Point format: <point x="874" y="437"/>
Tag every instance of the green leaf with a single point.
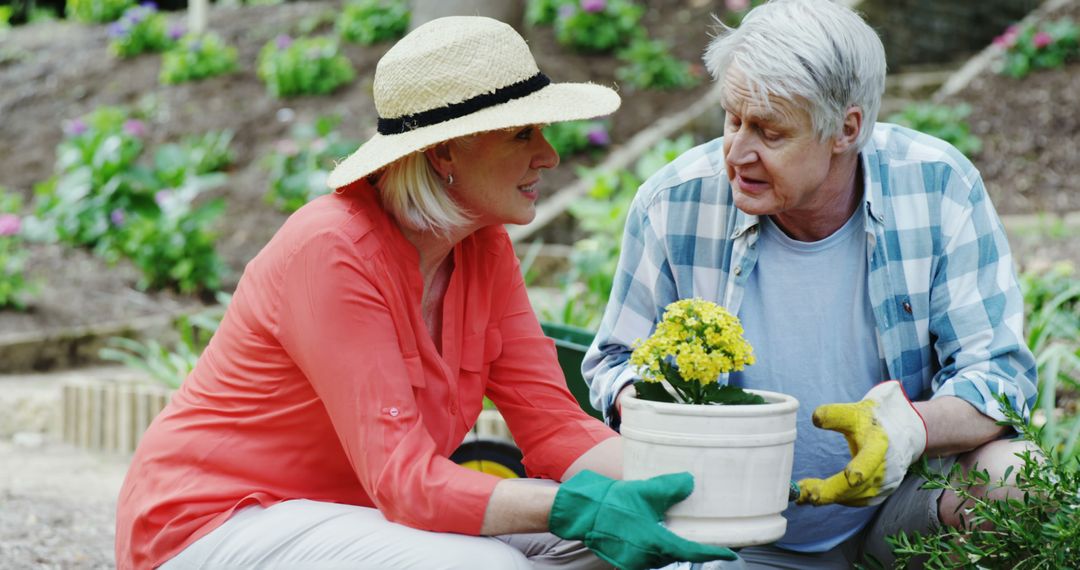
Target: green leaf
<point x="652" y="391"/>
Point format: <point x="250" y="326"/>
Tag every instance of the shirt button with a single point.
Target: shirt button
<point x="393" y="412"/>
<point x="738" y="271"/>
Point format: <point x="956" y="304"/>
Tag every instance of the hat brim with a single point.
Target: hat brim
<point x="555" y="103"/>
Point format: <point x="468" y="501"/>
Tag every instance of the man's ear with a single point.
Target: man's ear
<point x="440" y="158"/>
<point x="849" y="131"/>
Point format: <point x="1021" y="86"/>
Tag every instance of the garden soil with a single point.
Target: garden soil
<point x="56" y="506"/>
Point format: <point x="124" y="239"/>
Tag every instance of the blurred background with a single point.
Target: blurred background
<point x="148" y="151"/>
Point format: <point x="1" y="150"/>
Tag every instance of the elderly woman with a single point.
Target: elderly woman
<point x="316" y="428"/>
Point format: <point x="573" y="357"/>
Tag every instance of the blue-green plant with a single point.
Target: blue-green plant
<point x="648" y="64"/>
<point x="170" y="366"/>
<point x="303" y="66"/>
<point x="599" y="26"/>
<point x="141" y="29"/>
<point x="197" y="56"/>
<point x="602" y="214"/>
<point x="194" y="155"/>
<point x="371" y="21"/>
<point x="14" y="287"/>
<point x="300" y="164"/>
<point x="572" y="137"/>
<point x="96" y="11"/>
<point x="946" y="122"/>
<point x="1045" y="45"/>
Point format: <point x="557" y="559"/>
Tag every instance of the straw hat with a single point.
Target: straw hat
<point x="458" y="76"/>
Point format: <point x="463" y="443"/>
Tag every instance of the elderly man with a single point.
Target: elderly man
<point x="866" y="263"/>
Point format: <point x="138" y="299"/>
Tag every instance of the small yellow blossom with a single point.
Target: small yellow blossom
<point x="700" y="338"/>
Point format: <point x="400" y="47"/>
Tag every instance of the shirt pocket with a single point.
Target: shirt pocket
<point x="478" y="351"/>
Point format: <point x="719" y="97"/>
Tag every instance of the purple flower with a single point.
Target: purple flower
<point x="75" y="127"/>
<point x="117" y="217"/>
<point x="195" y="46"/>
<point x="593" y="6"/>
<point x="1041" y="40"/>
<point x="118" y="30"/>
<point x="134" y="127"/>
<point x="283" y="41"/>
<point x="135" y="16"/>
<point x="176" y="31"/>
<point x="151" y="6"/>
<point x="598" y="136"/>
<point x="10" y="224"/>
<point x="567" y="10"/>
<point x="163" y="196"/>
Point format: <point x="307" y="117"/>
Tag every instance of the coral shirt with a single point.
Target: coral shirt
<point x="323" y="383"/>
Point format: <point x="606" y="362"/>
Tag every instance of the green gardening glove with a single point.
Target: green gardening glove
<point x="620" y="520"/>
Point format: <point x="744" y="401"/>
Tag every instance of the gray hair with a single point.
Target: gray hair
<point x="416" y="195"/>
<point x="814" y="50"/>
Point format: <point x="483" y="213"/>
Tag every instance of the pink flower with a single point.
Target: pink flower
<point x="134" y="127"/>
<point x="10" y="224"/>
<point x="593" y="6"/>
<point x="1041" y="40"/>
<point x="117" y="217"/>
<point x="287" y="147"/>
<point x="163" y="196"/>
<point x="736" y="5"/>
<point x="75" y="127"/>
<point x="283" y="41"/>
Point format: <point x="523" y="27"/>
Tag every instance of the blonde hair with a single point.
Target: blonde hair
<point x="414" y="193"/>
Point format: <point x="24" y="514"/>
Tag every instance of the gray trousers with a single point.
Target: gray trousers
<point x="909" y="509"/>
<point x="304" y="534"/>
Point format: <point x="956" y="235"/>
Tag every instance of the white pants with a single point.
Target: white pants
<point x="304" y="534"/>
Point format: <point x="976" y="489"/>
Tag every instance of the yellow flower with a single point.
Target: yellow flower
<point x="699" y="338"/>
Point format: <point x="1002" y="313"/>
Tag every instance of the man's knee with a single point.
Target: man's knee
<point x="995" y="458"/>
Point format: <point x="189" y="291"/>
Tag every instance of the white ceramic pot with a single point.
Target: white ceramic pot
<point x="740" y="457"/>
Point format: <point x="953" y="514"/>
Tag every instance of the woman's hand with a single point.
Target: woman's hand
<point x="620" y="520"/>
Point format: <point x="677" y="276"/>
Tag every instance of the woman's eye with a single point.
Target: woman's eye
<point x="525" y="134"/>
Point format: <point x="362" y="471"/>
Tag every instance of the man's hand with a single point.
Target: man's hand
<point x="620" y="520"/>
<point x="885" y="435"/>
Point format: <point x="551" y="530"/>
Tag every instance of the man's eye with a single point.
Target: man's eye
<point x="525" y="134"/>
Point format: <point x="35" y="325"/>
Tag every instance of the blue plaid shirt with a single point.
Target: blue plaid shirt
<point x="945" y="298"/>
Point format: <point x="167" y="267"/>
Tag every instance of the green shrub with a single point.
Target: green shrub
<point x="14" y="287"/>
<point x="197" y="57"/>
<point x="1038" y="46"/>
<point x="372" y="21"/>
<point x="305" y="66"/>
<point x="96" y="11"/>
<point x="299" y="165"/>
<point x="648" y="64"/>
<point x="948" y="123"/>
<point x="1037" y="528"/>
<point x="598" y="25"/>
<point x="544" y="12"/>
<point x="572" y="137"/>
<point x="141" y="29"/>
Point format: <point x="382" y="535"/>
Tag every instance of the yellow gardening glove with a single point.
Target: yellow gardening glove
<point x="885" y="435"/>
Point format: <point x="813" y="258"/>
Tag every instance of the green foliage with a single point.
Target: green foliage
<point x="599" y="26"/>
<point x="14" y="287"/>
<point x="169" y="367"/>
<point x="572" y="137"/>
<point x="103" y="197"/>
<point x="544" y="12"/>
<point x="141" y="29"/>
<point x="587" y="285"/>
<point x="96" y="11"/>
<point x="948" y="123"/>
<point x="197" y="57"/>
<point x="371" y="21"/>
<point x="713" y="393"/>
<point x="1036" y="528"/>
<point x="305" y="66"/>
<point x="648" y="64"/>
<point x="300" y="165"/>
<point x="1034" y="46"/>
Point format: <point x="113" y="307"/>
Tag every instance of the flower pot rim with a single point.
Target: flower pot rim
<point x="778" y="403"/>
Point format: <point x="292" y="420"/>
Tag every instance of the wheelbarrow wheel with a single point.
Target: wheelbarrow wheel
<point x="490" y="456"/>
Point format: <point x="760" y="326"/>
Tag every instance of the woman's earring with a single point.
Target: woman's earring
<point x="449" y="179"/>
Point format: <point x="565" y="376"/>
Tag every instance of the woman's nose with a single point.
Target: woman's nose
<point x="545" y="157"/>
